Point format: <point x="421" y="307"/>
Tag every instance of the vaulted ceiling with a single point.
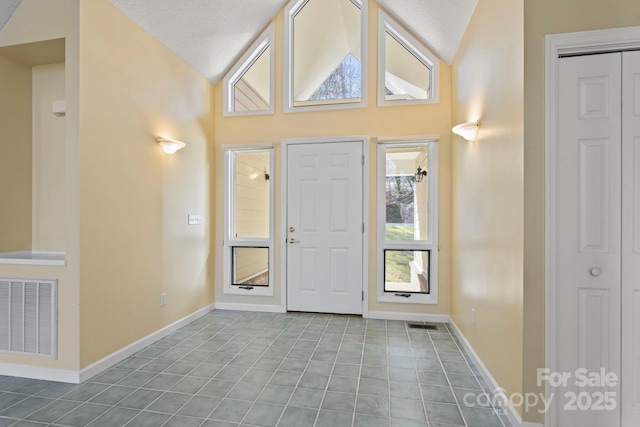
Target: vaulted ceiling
<point x="211" y="34"/>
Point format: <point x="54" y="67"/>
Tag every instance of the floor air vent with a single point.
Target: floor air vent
<point x="430" y="326"/>
<point x="28" y="317"/>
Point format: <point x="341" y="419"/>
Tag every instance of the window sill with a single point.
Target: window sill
<point x="33" y="258"/>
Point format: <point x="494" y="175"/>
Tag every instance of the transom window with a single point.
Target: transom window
<point x="325" y="52"/>
<point x="408" y="231"/>
<point x="407" y="71"/>
<point x="248" y="254"/>
<point x="248" y="87"/>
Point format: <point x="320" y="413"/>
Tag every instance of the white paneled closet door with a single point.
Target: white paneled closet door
<point x="630" y="399"/>
<point x="598" y="239"/>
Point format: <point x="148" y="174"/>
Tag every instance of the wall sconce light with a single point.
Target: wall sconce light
<point x="468" y="131"/>
<point x="170" y="146"/>
<point x="420" y="174"/>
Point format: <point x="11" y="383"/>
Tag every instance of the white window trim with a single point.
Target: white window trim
<point x="263" y="42"/>
<point x="386" y="24"/>
<point x="230" y="241"/>
<point x="290" y="12"/>
<point x="431" y="244"/>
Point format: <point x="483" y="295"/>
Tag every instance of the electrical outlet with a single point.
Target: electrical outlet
<point x="163" y="299"/>
<point x="473" y="316"/>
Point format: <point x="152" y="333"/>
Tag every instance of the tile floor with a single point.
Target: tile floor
<point x="234" y="368"/>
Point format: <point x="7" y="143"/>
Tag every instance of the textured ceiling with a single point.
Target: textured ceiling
<point x="7" y="7"/>
<point x="440" y="24"/>
<point x="208" y="34"/>
<point x="211" y="34"/>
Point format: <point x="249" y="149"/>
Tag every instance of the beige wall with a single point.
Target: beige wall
<point x="487" y="187"/>
<point x="48" y="159"/>
<point x="135" y="241"/>
<point x="544" y="17"/>
<point x="33" y="21"/>
<point x="15" y="161"/>
<point x="372" y="121"/>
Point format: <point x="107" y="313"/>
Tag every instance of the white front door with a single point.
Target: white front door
<point x="325" y="227"/>
<point x="588" y="234"/>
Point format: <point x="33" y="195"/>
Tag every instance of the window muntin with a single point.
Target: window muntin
<point x="325" y="52"/>
<point x="248" y="254"/>
<point x="407" y="71"/>
<point x="407" y="231"/>
<point x="248" y="87"/>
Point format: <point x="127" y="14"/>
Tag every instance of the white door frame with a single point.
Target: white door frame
<point x="365" y="216"/>
<point x="556" y="45"/>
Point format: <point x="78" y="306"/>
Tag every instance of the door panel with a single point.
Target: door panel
<point x="630" y="401"/>
<point x="325" y="216"/>
<point x="588" y="230"/>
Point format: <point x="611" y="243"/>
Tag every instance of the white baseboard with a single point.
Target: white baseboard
<point x="410" y="317"/>
<point x="76" y="377"/>
<point x="39" y="373"/>
<point x="250" y="307"/>
<point x="118" y="356"/>
<point x="512" y="414"/>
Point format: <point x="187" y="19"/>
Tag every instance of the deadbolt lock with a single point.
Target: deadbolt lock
<point x="291" y="229"/>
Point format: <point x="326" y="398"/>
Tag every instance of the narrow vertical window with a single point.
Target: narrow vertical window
<point x="408" y="232"/>
<point x="249" y="222"/>
<point x="325" y="54"/>
<point x="248" y="87"/>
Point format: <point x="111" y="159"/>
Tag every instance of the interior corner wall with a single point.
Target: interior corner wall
<point x="374" y="121"/>
<point x="33" y="21"/>
<point x="135" y="199"/>
<point x="543" y="17"/>
<point x="487" y="189"/>
<point x="15" y="161"/>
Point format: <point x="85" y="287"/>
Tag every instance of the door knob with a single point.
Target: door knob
<point x="595" y="272"/>
<point x="292" y="241"/>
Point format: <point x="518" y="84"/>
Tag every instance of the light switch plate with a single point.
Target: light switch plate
<point x="195" y="219"/>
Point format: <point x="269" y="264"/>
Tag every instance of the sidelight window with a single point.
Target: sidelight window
<point x="408" y="227"/>
<point x="248" y="221"/>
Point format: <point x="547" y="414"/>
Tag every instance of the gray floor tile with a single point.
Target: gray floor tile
<point x="456" y="367"/>
<point x="231" y="410"/>
<point x="169" y="403"/>
<point x="480" y="417"/>
<point x="148" y="419"/>
<point x="373" y="387"/>
<point x="275" y="394"/>
<point x="372" y="405"/>
<point x="189" y="385"/>
<point x="361" y="420"/>
<point x="342" y="402"/>
<point x="306" y="398"/>
<point x="343" y="384"/>
<point x="298" y="417"/>
<point x="444" y="413"/>
<point x="263" y="414"/>
<point x="199" y="406"/>
<point x="163" y="382"/>
<point x="399" y="422"/>
<point x="464" y="381"/>
<point x="408" y="409"/>
<point x="333" y="419"/>
<point x="113" y="395"/>
<point x="403" y="390"/>
<point x="140" y="399"/>
<point x="25" y="407"/>
<point x="441" y="394"/>
<point x="217" y="388"/>
<point x="246" y="391"/>
<point x="344" y="370"/>
<point x="285" y="378"/>
<point x="82" y="415"/>
<point x="180" y="421"/>
<point x="86" y="392"/>
<point x="114" y="417"/>
<point x="314" y="381"/>
<point x="54" y="411"/>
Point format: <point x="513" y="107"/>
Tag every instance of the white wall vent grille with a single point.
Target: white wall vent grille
<point x="28" y="318"/>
